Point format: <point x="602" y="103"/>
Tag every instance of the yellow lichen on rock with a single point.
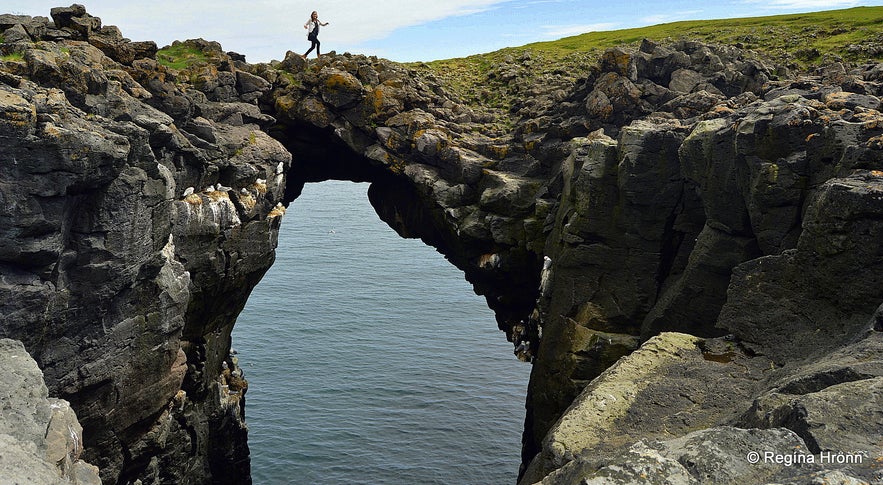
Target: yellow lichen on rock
<point x="875" y="142"/>
<point x="217" y="195"/>
<point x="722" y="110"/>
<point x="499" y="152"/>
<point x="285" y="104"/>
<point x="335" y="80"/>
<point x="340" y="88"/>
<point x="871" y="120"/>
<point x="17" y="110"/>
<point x="248" y="202"/>
<point x="383" y="99"/>
<point x="277" y="211"/>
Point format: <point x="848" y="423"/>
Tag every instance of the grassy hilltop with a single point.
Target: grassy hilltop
<point x="500" y="82"/>
<point x="799" y="42"/>
<point x="803" y="39"/>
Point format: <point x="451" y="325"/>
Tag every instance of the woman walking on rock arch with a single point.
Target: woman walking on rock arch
<point x="312" y="27"/>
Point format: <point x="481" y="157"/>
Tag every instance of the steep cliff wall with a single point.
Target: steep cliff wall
<point x="123" y="288"/>
<point x="40" y="437"/>
<point x="674" y="188"/>
<point x="677" y="188"/>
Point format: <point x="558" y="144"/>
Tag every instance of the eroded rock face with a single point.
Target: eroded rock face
<point x="40" y="436"/>
<point x="715" y="455"/>
<point x="676" y="189"/>
<point x="670" y="411"/>
<point x="677" y="206"/>
<point x="122" y="283"/>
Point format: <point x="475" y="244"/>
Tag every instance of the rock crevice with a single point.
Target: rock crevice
<point x="685" y="245"/>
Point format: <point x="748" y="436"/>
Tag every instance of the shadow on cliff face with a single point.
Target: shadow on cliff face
<point x="647" y="187"/>
<point x="665" y="199"/>
<point x="319" y="154"/>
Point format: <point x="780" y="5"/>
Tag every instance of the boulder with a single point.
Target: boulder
<point x="16" y="34"/>
<point x="36" y="27"/>
<point x="76" y="20"/>
<point x="340" y="89"/>
<point x="247" y="83"/>
<point x="684" y="80"/>
<point x="40" y="436"/>
<point x="845" y="100"/>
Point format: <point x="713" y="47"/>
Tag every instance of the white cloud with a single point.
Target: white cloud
<point x="655" y="19"/>
<point x="804" y="4"/>
<point x="669" y="17"/>
<point x="355" y="22"/>
<point x="558" y="31"/>
<point x="534" y="3"/>
<point x="262" y="28"/>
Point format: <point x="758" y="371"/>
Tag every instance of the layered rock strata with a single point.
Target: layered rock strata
<point x="677" y="188"/>
<point x="684" y="205"/>
<point x="137" y="215"/>
<point x="40" y="438"/>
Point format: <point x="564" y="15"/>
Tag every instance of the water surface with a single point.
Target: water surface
<point x="371" y="360"/>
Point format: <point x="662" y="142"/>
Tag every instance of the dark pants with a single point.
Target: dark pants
<point x="315" y="45"/>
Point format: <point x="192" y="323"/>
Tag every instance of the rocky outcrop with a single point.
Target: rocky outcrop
<point x="716" y="455"/>
<point x="685" y="242"/>
<point x="433" y="176"/>
<point x="664" y="174"/>
<point x="750" y="192"/>
<point x="670" y="191"/>
<point x="686" y="410"/>
<point x="138" y="213"/>
<point x="40" y="437"/>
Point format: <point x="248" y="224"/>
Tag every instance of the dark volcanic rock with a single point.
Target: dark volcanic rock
<point x="639" y="417"/>
<point x="75" y="19"/>
<point x="715" y="455"/>
<point x="822" y="292"/>
<point x="675" y="188"/>
<point x="40" y="437"/>
<point x="16" y="34"/>
<point x="111" y="277"/>
<point x="36" y="27"/>
<point x="694" y="179"/>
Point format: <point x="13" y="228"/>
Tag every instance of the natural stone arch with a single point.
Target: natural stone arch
<point x="770" y="181"/>
<point x="413" y="197"/>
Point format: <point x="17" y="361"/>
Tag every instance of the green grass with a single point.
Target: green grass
<point x="180" y="56"/>
<point x="780" y="37"/>
<point x="800" y="42"/>
<point x="12" y="57"/>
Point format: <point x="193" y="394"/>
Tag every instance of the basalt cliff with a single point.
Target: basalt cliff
<point x="685" y="241"/>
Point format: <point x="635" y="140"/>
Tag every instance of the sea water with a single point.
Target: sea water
<point x="371" y="360"/>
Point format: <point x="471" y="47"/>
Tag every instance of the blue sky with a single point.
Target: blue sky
<point x="402" y="30"/>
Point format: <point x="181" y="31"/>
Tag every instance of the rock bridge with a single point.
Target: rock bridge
<point x="676" y="188"/>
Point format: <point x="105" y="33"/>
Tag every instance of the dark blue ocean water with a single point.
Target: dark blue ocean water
<point x="370" y="359"/>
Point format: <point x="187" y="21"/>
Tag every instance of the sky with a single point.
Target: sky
<point x="401" y="30"/>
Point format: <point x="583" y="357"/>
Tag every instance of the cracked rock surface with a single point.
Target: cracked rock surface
<point x="685" y="244"/>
